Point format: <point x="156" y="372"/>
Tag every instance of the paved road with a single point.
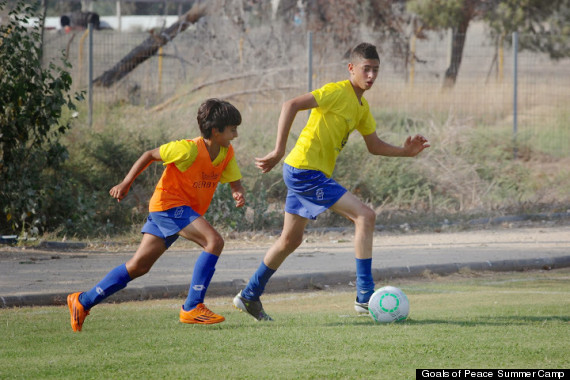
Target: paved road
<point x="45" y="276"/>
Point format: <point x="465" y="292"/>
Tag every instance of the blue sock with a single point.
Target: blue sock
<point x="203" y="272"/>
<point x="114" y="281"/>
<point x="257" y="282"/>
<point x="364" y="280"/>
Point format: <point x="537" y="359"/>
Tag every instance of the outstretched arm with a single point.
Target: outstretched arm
<point x="288" y="113"/>
<point x="238" y="193"/>
<point x="120" y="191"/>
<point x="412" y="146"/>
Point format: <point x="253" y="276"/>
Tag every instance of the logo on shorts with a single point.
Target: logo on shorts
<point x="178" y="212"/>
<point x="320" y="194"/>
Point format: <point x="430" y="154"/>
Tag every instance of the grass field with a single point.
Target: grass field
<point x="476" y="320"/>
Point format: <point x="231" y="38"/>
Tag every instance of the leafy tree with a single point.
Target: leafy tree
<point x="340" y="21"/>
<point x="454" y="14"/>
<point x="31" y="102"/>
<point x="337" y="19"/>
<point x="393" y="26"/>
<point x="544" y="25"/>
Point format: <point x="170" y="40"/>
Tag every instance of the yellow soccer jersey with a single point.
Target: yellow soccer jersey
<point x="339" y="113"/>
<point x="183" y="153"/>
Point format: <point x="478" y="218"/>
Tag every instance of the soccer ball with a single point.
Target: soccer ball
<point x="388" y="304"/>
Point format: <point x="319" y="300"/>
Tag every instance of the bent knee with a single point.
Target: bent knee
<point x="370" y="215"/>
<point x="215" y="244"/>
<point x="291" y="243"/>
<point x="367" y="217"/>
<point x="137" y="269"/>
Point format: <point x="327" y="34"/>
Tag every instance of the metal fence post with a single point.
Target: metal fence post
<point x="90" y="79"/>
<point x="515" y="91"/>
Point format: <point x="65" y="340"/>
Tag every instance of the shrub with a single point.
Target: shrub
<point x="31" y="103"/>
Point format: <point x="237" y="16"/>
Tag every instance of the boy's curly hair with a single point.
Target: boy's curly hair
<point x="364" y="51"/>
<point x="216" y="113"/>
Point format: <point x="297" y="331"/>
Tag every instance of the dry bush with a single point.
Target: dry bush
<point x="469" y="168"/>
<point x="451" y="173"/>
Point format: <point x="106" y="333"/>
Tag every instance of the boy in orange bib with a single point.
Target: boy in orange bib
<point x="182" y="196"/>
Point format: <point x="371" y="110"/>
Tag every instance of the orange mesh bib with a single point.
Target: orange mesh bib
<point x="195" y="187"/>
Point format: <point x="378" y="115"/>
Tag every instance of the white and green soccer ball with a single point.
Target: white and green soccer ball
<point x="388" y="304"/>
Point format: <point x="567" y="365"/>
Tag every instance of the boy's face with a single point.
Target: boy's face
<point x="224" y="138"/>
<point x="363" y="73"/>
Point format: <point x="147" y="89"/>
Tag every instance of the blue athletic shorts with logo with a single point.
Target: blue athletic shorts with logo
<point x="167" y="224"/>
<point x="310" y="192"/>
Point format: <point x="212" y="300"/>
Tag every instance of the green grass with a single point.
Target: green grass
<point x="553" y="135"/>
<point x="517" y="320"/>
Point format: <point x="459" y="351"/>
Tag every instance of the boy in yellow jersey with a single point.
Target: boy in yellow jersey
<point x="337" y="110"/>
<point x="193" y="169"/>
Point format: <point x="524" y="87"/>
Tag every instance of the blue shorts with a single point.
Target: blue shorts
<point x="310" y="192"/>
<point x="167" y="224"/>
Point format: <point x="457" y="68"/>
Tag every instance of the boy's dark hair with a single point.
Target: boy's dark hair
<point x="64" y="21"/>
<point x="216" y="113"/>
<point x="364" y="51"/>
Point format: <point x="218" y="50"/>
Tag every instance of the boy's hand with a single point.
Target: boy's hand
<point x="238" y="193"/>
<point x="269" y="161"/>
<point x="239" y="198"/>
<point x="120" y="191"/>
<point x="414" y="145"/>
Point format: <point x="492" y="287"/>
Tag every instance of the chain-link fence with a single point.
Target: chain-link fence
<point x="263" y="67"/>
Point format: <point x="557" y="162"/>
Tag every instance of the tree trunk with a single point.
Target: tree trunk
<point x="457" y="45"/>
<point x="149" y="47"/>
<point x="42" y="28"/>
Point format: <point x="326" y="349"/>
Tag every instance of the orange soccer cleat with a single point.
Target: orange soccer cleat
<point x="200" y="314"/>
<point x="76" y="310"/>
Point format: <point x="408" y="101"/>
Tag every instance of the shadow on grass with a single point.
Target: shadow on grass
<point x="479" y="321"/>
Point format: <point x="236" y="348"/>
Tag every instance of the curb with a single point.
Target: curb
<point x="297" y="282"/>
